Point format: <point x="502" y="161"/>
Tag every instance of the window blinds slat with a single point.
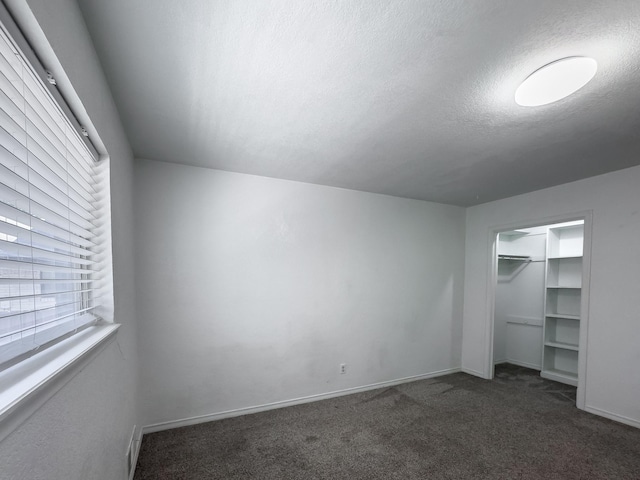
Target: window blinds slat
<point x="64" y="158"/>
<point x="46" y="186"/>
<point x="53" y="124"/>
<point x="14" y="62"/>
<point x="22" y="202"/>
<point x="47" y="281"/>
<point x="12" y="70"/>
<point x="26" y="267"/>
<point x="7" y="104"/>
<point x="24" y="345"/>
<point x="69" y="159"/>
<point x="30" y="321"/>
<point x="43" y="311"/>
<point x="59" y="297"/>
<point x="71" y="314"/>
<point x="60" y="214"/>
<point x="15" y="143"/>
<point x="21" y="324"/>
<point x="50" y="185"/>
<point x="38" y="99"/>
<point x="39" y="308"/>
<point x="43" y="119"/>
<point x="43" y="228"/>
<point x="56" y="298"/>
<point x="24" y="235"/>
<point x="10" y="157"/>
<point x="11" y="81"/>
<point x="10" y="250"/>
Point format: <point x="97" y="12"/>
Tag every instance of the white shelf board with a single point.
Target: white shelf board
<point x="560" y="287"/>
<point x="560" y="376"/>
<point x="562" y="257"/>
<point x="562" y="345"/>
<point x="565" y="316"/>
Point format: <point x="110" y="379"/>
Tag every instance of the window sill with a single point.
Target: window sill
<point x="29" y="384"/>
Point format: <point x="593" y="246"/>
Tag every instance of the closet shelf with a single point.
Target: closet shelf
<point x="565" y="346"/>
<point x="562" y="257"/>
<point x="565" y="316"/>
<point x="575" y="287"/>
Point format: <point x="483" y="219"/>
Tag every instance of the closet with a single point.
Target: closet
<point x="537" y="299"/>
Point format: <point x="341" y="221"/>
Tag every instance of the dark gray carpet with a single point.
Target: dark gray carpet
<point x="518" y="426"/>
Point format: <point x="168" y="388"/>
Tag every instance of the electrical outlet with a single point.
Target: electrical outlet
<point x="343" y="368"/>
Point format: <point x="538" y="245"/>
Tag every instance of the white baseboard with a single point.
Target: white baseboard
<point x="523" y="364"/>
<point x="157" y="427"/>
<point x="613" y="416"/>
<point x="473" y="372"/>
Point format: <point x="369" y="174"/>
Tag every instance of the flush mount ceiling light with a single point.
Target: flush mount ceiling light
<point x="556" y="80"/>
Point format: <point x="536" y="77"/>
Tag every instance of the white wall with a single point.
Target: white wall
<point x="612" y="382"/>
<point x="82" y="432"/>
<point x="253" y="290"/>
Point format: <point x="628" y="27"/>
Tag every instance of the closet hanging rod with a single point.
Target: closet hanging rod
<point x="520" y="258"/>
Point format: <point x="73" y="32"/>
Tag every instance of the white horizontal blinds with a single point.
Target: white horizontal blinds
<point x="48" y="216"/>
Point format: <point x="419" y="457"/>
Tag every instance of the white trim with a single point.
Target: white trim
<point x="518" y="363"/>
<point x="157" y="427"/>
<point x="585" y="298"/>
<point x="560" y="378"/>
<point x="490" y="305"/>
<point x="29" y="384"/>
<point x="473" y="372"/>
<point x="128" y="455"/>
<point x="613" y="416"/>
<point x="137" y="442"/>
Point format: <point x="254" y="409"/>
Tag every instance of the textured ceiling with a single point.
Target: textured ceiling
<point x="406" y="98"/>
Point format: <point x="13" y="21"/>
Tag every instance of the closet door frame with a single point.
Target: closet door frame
<point x="492" y="255"/>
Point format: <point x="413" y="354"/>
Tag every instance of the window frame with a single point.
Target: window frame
<point x="26" y="385"/>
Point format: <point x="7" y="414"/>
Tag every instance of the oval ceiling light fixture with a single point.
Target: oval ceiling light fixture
<point x="555" y="81"/>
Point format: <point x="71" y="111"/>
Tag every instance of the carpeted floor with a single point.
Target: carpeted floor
<point x="518" y="426"/>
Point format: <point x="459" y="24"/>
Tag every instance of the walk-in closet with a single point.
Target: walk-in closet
<point x="537" y="299"/>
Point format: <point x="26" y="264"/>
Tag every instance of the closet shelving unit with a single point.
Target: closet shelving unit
<point x="562" y="303"/>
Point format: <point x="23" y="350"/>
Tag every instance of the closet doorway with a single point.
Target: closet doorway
<point x="539" y="299"/>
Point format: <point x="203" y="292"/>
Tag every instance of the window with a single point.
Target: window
<point x="50" y="197"/>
